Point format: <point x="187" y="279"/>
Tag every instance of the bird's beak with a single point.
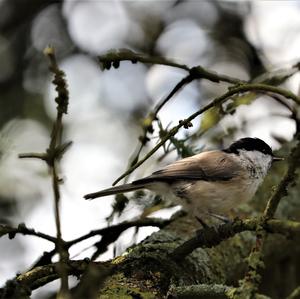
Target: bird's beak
<point x="276" y="159"/>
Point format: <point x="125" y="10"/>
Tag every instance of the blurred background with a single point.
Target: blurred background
<point x="243" y="39"/>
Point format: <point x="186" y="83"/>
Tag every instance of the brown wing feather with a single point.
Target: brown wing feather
<point x="218" y="166"/>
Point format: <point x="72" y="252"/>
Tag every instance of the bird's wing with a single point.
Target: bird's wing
<point x="207" y="166"/>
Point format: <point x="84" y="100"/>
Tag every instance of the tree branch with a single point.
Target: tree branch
<point x="201" y="291"/>
<point x="42" y="275"/>
<point x="212" y="236"/>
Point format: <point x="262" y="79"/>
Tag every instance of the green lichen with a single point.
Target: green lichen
<point x="118" y="286"/>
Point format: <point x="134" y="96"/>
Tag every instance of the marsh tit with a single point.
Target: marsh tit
<point x="212" y="181"/>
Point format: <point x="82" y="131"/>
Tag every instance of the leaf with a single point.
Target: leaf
<point x="245" y="99"/>
<point x="211" y="117"/>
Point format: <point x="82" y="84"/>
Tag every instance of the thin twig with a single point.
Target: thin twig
<point x="53" y="154"/>
<point x="152" y="116"/>
<point x="41" y="156"/>
<point x="22" y="229"/>
<point x="186" y="80"/>
<point x="63" y="254"/>
<point x="56" y="142"/>
<point x="120" y="227"/>
<point x="114" y="58"/>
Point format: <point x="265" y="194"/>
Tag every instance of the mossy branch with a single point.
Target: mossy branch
<point x="212" y="236"/>
<point x="205" y="291"/>
<point x="39" y="276"/>
<point x="217" y="291"/>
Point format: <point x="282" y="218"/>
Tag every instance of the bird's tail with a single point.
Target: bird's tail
<point x="114" y="190"/>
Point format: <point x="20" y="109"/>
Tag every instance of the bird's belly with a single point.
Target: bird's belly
<point x="216" y="197"/>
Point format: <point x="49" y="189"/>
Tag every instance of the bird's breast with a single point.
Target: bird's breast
<point x="216" y="197"/>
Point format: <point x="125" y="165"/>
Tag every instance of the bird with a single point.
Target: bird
<point x="212" y="182"/>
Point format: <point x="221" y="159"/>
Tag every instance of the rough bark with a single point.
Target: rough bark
<point x="148" y="271"/>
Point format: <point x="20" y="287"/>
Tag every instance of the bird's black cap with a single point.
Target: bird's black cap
<point x="249" y="144"/>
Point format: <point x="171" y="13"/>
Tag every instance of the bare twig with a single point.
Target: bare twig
<point x="62" y="101"/>
<point x="152" y="116"/>
<point x="41" y="156"/>
<point x="53" y="154"/>
<point x="114" y="58"/>
<point x="22" y="229"/>
<point x="117" y="229"/>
